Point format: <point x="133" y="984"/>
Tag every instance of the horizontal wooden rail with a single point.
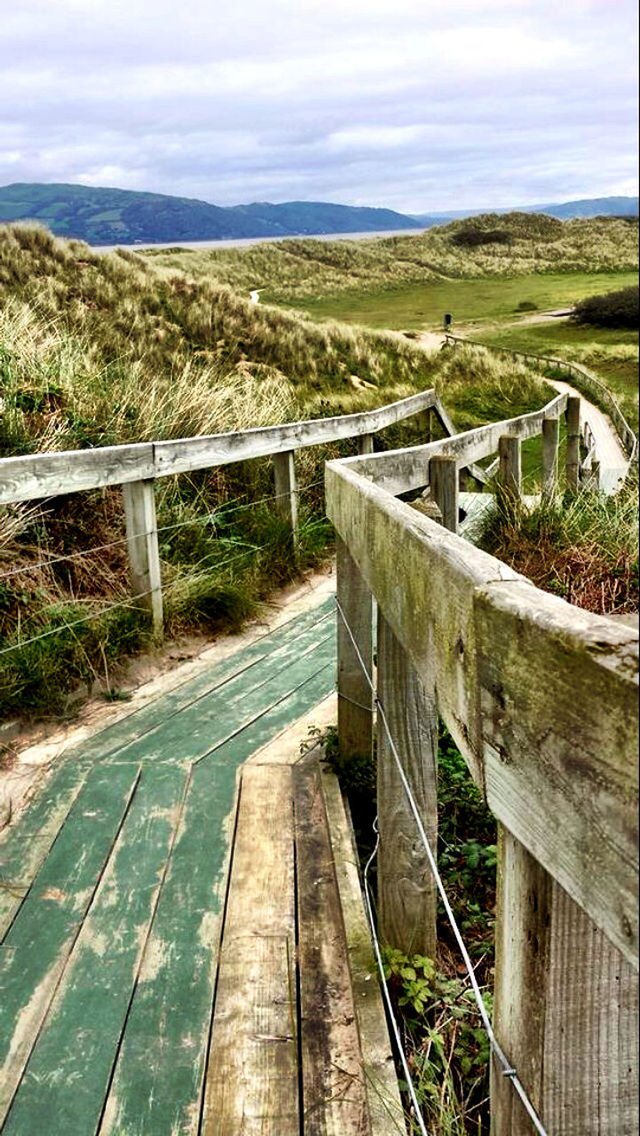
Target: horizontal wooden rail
<point x="582" y="379"/>
<point x="400" y="471"/>
<point x="541" y="699"/>
<point x="70" y="471"/>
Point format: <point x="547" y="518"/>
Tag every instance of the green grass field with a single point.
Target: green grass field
<point x="422" y="306"/>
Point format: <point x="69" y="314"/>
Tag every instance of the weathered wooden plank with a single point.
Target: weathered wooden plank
<point x="69" y="1069"/>
<point x="365" y="444"/>
<point x="46" y="475"/>
<point x="550" y="438"/>
<point x="214" y="718"/>
<point x="286" y="490"/>
<point x="26" y="843"/>
<point x="355" y="697"/>
<point x="333" y="1091"/>
<point x="443" y="479"/>
<point x="510" y="464"/>
<point x="513" y="665"/>
<point x="158" y="1078"/>
<point x="386" y="1114"/>
<point x="406" y="889"/>
<point x="142" y="546"/>
<point x="252" y="1073"/>
<point x="573" y="443"/>
<point x="36" y="950"/>
<point x="267" y="653"/>
<point x="399" y="471"/>
<point x="566" y="1009"/>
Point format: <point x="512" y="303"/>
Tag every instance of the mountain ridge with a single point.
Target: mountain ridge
<point x="105" y="215"/>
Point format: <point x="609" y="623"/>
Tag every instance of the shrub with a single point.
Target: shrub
<point x="527" y="306"/>
<point x="611" y="309"/>
<point x="472" y="236"/>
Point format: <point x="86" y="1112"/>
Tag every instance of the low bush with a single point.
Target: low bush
<point x="472" y="236"/>
<point x="611" y="309"/>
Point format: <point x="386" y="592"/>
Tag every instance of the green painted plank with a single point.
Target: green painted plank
<point x="209" y="721"/>
<point x="157" y="1084"/>
<point x="158" y="1078"/>
<point x="38" y="945"/>
<point x="27" y="842"/>
<point x="165" y="706"/>
<point x="66" y="1079"/>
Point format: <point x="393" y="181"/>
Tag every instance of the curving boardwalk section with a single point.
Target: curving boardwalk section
<point x="139" y="992"/>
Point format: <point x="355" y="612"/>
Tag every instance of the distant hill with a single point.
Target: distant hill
<point x="586" y="207"/>
<point x="121" y="216"/>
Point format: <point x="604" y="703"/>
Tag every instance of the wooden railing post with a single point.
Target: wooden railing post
<point x="594" y="479"/>
<point x="443" y="481"/>
<point x="510" y="464"/>
<point x="286" y="490"/>
<point x="550" y="439"/>
<point x="365" y="444"/>
<point x="142" y="546"/>
<point x="565" y="1009"/>
<point x="406" y="890"/>
<point x="355" y="697"/>
<point x="573" y="443"/>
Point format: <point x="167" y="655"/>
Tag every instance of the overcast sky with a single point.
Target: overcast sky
<point x="413" y="104"/>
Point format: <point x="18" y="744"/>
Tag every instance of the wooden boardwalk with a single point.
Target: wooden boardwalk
<point x="140" y="990"/>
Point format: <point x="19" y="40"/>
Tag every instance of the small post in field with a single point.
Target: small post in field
<point x="443" y="480"/>
<point x="355" y="697"/>
<point x="286" y="490"/>
<point x="573" y="443"/>
<point x="510" y="464"/>
<point x="550" y="438"/>
<point x="406" y="890"/>
<point x="142" y="546"/>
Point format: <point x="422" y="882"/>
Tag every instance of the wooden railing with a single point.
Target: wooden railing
<point x="581" y="378"/>
<point x="136" y="467"/>
<point x="540" y="697"/>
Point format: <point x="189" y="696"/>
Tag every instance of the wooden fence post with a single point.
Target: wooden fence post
<point x="142" y="545"/>
<point x="365" y="444"/>
<point x="286" y="490"/>
<point x="355" y="697"/>
<point x="443" y="480"/>
<point x="573" y="443"/>
<point x="406" y="889"/>
<point x="594" y="478"/>
<point x="550" y="438"/>
<point x="565" y="1009"/>
<point x="510" y="464"/>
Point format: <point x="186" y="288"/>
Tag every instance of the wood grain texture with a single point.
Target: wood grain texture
<point x="355" y="698"/>
<point x="142" y="547"/>
<point x="406" y="889"/>
<point x="513" y="668"/>
<point x="386" y="1114"/>
<point x="565" y="1010"/>
<point x="333" y="1090"/>
<point x="443" y="479"/>
<point x="47" y="475"/>
<point x="573" y="443"/>
<point x="550" y="438"/>
<point x="252" y="1078"/>
<point x="286" y="490"/>
<point x="510" y="464"/>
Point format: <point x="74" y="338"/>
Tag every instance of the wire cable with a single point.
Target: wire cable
<point x="507" y="1068"/>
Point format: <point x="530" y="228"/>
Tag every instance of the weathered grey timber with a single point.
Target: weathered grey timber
<point x="46" y="475"/>
<point x="355" y="698"/>
<point x="550" y="439"/>
<point x="286" y="502"/>
<point x="142" y="546"/>
<point x="541" y="698"/>
<point x="573" y="443"/>
<point x="510" y="464"/>
<point x="443" y="479"/>
<point x="406" y="889"/>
